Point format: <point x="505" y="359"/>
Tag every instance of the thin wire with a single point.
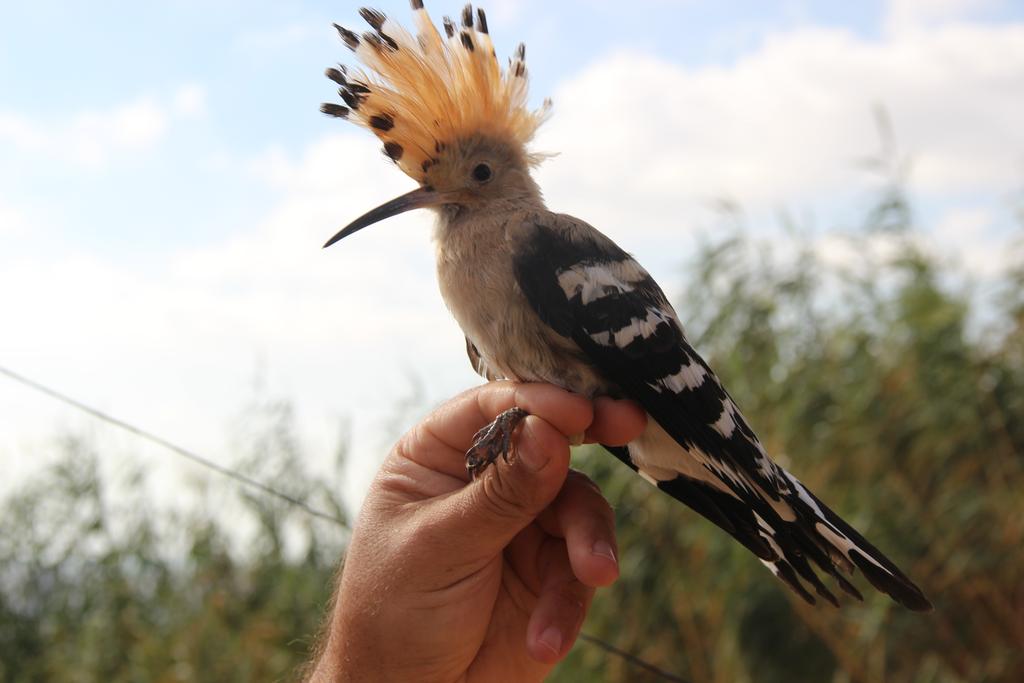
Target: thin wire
<point x="183" y="452"/>
<point x="632" y="659"/>
<point x="254" y="483"/>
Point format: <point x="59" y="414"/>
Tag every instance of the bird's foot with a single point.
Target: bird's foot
<point x="493" y="440"/>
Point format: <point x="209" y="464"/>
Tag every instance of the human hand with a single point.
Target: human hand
<point x="448" y="579"/>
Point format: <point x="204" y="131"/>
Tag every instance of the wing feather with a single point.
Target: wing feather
<point x="588" y="289"/>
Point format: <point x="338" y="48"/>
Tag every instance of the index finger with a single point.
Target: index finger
<point x="616" y="422"/>
<point x="449" y="429"/>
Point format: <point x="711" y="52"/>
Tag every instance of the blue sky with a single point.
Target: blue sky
<point x="259" y="67"/>
<point x="166" y="180"/>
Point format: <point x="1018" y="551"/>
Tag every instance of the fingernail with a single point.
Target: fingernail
<point x="604" y="549"/>
<point x="552" y="639"/>
<point x="532" y="456"/>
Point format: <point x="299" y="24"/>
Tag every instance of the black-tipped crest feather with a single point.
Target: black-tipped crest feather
<point x="335" y="110"/>
<point x="350" y="37"/>
<point x="372" y="17"/>
<point x="335" y="75"/>
<point x="417" y="91"/>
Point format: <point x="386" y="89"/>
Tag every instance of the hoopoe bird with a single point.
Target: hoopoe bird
<point x="545" y="297"/>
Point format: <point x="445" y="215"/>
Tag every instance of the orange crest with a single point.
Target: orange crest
<point x="420" y="93"/>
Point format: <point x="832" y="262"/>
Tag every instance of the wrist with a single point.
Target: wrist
<point x="369" y="642"/>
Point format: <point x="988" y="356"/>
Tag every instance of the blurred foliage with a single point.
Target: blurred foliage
<point x="894" y="395"/>
<point x="102" y="587"/>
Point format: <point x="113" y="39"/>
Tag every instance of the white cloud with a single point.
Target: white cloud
<point x="172" y="344"/>
<point x="93" y="138"/>
<point x="645" y="143"/>
<point x="12" y="219"/>
<point x="20" y="131"/>
<point x="909" y="15"/>
<point x="966" y="233"/>
<point x="190" y="100"/>
<point x="962" y="237"/>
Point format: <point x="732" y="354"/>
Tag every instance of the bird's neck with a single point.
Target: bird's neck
<point x="481" y="224"/>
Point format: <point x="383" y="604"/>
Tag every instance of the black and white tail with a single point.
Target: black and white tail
<point x="814" y="536"/>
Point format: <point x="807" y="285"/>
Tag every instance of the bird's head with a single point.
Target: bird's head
<point x="449" y="116"/>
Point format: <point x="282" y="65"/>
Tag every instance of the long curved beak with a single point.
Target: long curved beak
<point x="417" y="199"/>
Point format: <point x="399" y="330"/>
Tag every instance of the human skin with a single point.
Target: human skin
<point x="448" y="579"/>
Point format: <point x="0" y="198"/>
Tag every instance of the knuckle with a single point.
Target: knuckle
<point x="591" y="494"/>
<point x="574" y="594"/>
<point x="404" y="445"/>
<point x="577" y="478"/>
<point x="500" y="496"/>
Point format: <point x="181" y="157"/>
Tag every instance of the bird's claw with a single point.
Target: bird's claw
<point x="493" y="440"/>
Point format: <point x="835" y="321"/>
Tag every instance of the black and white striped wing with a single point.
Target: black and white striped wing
<point x="588" y="289"/>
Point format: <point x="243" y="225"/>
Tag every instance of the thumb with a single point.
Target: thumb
<point x="483" y="517"/>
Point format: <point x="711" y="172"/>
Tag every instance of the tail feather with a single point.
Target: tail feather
<point x="824" y="560"/>
<point x="780" y="551"/>
<point x="725" y="511"/>
<point x="784" y="570"/>
<point x="826" y="527"/>
<point x="788" y="539"/>
<point x="878" y="568"/>
<point x="789" y="547"/>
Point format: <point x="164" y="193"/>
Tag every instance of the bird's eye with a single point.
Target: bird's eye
<point x="482" y="173"/>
